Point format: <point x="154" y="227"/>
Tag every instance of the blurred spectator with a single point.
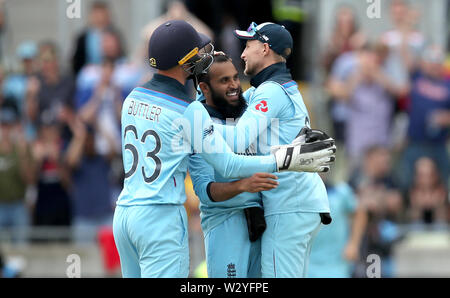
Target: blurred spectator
<point x="52" y="206"/>
<point x="375" y="184"/>
<point x="50" y="90"/>
<point x="381" y="197"/>
<point x="337" y="245"/>
<point x="345" y="37"/>
<point x="15" y="84"/>
<point x="15" y="173"/>
<point x="91" y="187"/>
<point x="176" y="10"/>
<point x="125" y="76"/>
<point x="404" y="41"/>
<point x="428" y="195"/>
<point x="88" y="49"/>
<point x="102" y="111"/>
<point x="369" y="94"/>
<point x="429" y="117"/>
<point x="339" y="61"/>
<point x="4" y="38"/>
<point x="405" y="45"/>
<point x="229" y="44"/>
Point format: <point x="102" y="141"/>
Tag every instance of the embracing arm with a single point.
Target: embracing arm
<point x="256" y="183"/>
<point x="265" y="107"/>
<point x="204" y="139"/>
<point x="207" y="188"/>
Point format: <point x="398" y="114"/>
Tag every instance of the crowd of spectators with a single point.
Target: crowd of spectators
<point x="389" y="102"/>
<point x="60" y="153"/>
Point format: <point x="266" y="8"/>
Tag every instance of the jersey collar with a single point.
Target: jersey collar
<point x="277" y="72"/>
<point x="169" y="86"/>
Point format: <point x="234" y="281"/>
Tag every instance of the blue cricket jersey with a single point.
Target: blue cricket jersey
<point x="214" y="213"/>
<point x="161" y="127"/>
<point x="275" y="115"/>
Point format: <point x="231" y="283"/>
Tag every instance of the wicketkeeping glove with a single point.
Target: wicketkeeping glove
<point x="311" y="151"/>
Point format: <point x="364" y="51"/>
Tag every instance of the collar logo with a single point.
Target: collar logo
<point x="262" y="106"/>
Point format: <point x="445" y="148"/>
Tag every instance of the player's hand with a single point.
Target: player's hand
<point x="311" y="151"/>
<point x="351" y="252"/>
<point x="258" y="182"/>
<point x="308" y="135"/>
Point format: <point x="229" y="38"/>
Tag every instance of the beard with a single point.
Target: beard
<point x="226" y="109"/>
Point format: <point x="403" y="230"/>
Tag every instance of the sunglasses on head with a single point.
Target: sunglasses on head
<point x="253" y="28"/>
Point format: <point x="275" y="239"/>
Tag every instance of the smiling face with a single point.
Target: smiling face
<point x="223" y="90"/>
<point x="224" y="82"/>
<point x="253" y="56"/>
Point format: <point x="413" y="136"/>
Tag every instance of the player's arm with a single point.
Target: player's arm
<point x="207" y="189"/>
<point x="258" y="182"/>
<point x="202" y="174"/>
<point x="200" y="133"/>
<point x="266" y="105"/>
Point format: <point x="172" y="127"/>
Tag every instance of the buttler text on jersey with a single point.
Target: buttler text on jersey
<point x="144" y="111"/>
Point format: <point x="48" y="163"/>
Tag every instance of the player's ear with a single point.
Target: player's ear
<point x="266" y="49"/>
<point x="204" y="88"/>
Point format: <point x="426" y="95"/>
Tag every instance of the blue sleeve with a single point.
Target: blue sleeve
<point x="268" y="103"/>
<point x="202" y="174"/>
<point x="202" y="135"/>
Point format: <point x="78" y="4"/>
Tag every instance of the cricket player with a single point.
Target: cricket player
<point x="295" y="209"/>
<point x="161" y="127"/>
<point x="232" y="217"/>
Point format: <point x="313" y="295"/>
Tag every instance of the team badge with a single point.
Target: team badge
<point x="262" y="106"/>
<point x="208" y="131"/>
<point x="152" y="62"/>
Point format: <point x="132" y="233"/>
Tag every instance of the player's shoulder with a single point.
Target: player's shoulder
<point x="193" y="108"/>
<point x="196" y="105"/>
<point x="269" y="85"/>
<point x="270" y="89"/>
